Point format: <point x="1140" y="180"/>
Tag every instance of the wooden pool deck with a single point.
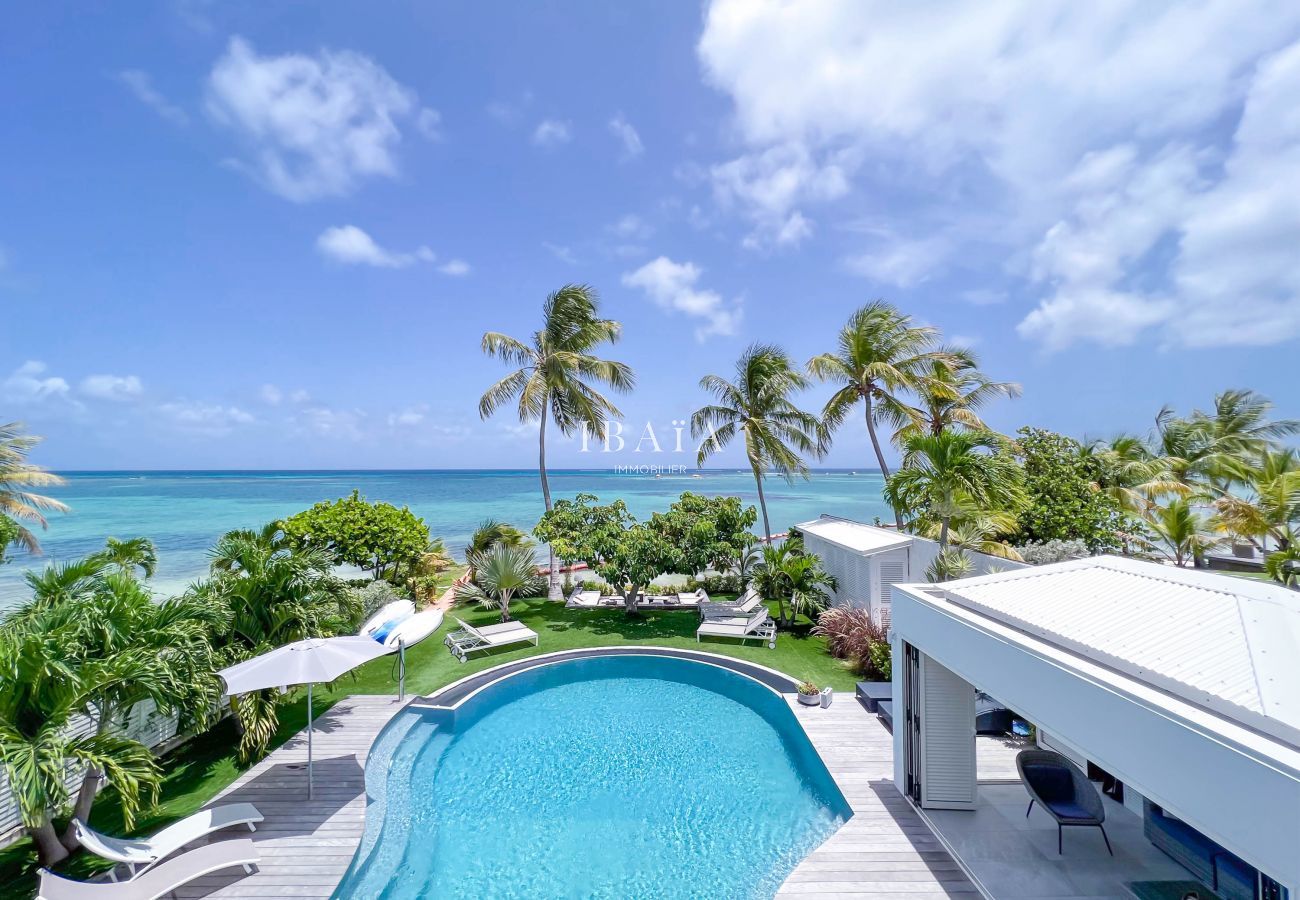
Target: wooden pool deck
<point x="306" y="845"/>
<point x="885" y="852"/>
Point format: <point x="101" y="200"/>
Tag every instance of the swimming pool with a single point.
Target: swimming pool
<point x="608" y="776"/>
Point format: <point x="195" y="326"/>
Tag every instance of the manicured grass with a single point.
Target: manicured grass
<point x="197" y="771"/>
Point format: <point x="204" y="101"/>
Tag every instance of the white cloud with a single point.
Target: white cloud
<point x="141" y="85"/>
<point x="633" y="227"/>
<point x="429" y="122"/>
<point x="111" y="387"/>
<point x="898" y="261"/>
<point x="316" y="125"/>
<point x="299" y="396"/>
<point x="627" y="136"/>
<point x="204" y="419"/>
<point x="1124" y="196"/>
<point x="562" y="253"/>
<point x="29" y="384"/>
<point x="349" y="245"/>
<point x="455" y="267"/>
<point x="672" y="286"/>
<point x="271" y="395"/>
<point x="408" y="417"/>
<point x="552" y="133"/>
<point x="769" y="186"/>
<point x="322" y="421"/>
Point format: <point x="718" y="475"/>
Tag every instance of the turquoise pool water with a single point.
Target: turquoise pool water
<point x="612" y="777"/>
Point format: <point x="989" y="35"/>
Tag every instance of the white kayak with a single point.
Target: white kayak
<point x="414" y="629"/>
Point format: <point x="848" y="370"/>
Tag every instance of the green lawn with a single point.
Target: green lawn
<point x="197" y="771"/>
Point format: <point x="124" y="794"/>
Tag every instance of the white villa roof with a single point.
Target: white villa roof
<point x="1228" y="645"/>
<point x="855" y="536"/>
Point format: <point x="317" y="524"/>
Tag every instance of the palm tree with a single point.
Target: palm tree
<point x="555" y="376"/>
<point x="41" y="691"/>
<point x="17" y="503"/>
<point x="275" y="594"/>
<point x="979" y="530"/>
<point x="787" y="573"/>
<point x="757" y="405"/>
<point x="503" y="573"/>
<point x="1131" y="474"/>
<point x="1185" y="534"/>
<point x="1269" y="506"/>
<point x="157" y="651"/>
<point x="1283" y="566"/>
<point x="491" y="533"/>
<point x="944" y="474"/>
<point x="881" y="354"/>
<point x="950" y="392"/>
<point x="131" y="554"/>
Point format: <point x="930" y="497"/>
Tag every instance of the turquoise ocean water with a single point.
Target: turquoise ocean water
<point x="185" y="512"/>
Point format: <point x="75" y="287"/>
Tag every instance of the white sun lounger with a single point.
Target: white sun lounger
<point x="468" y="639"/>
<point x="746" y="604"/>
<point x="757" y="625"/>
<point x="143" y="853"/>
<point x="158" y="881"/>
<point x="583" y="598"/>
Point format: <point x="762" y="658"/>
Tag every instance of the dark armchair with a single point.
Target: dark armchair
<point x="1065" y="793"/>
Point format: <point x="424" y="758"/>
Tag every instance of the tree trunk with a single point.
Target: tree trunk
<point x="629" y="600"/>
<point x="89" y="787"/>
<point x="505" y="606"/>
<point x="762" y="500"/>
<point x="943" y="533"/>
<point x="880" y="454"/>
<point x="553" y="591"/>
<point x="47" y="842"/>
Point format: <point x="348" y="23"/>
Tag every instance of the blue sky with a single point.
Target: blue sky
<point x="271" y="235"/>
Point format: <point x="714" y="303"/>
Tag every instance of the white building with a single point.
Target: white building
<point x="1182" y="685"/>
<point x="867" y="560"/>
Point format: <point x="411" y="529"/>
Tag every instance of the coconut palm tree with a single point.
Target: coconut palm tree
<point x="556" y="376"/>
<point x="1184" y="533"/>
<point x="131" y="554"/>
<point x="1269" y="507"/>
<point x="42" y="689"/>
<point x="17" y="476"/>
<point x="881" y="355"/>
<point x="1131" y="474"/>
<point x="951" y="391"/>
<point x="944" y="474"/>
<point x="758" y="407"/>
<point x="503" y="573"/>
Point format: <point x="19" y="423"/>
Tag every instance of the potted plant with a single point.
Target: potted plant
<point x="809" y="693"/>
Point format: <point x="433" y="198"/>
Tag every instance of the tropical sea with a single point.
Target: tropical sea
<point x="184" y="513"/>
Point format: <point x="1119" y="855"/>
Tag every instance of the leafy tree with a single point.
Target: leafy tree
<point x="378" y="537"/>
<point x="556" y="374"/>
<point x="711" y="532"/>
<point x="950" y="472"/>
<point x="625" y="553"/>
<point x="276" y="592"/>
<point x="881" y="355"/>
<point x="1063" y="498"/>
<point x="17" y="476"/>
<point x="758" y="406"/>
<point x="502" y="573"/>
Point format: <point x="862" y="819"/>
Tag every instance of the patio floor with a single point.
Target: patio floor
<point x="1015" y="857"/>
<point x="306" y="845"/>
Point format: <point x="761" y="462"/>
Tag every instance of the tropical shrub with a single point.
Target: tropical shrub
<point x="377" y="537"/>
<point x="375" y="595"/>
<point x="949" y="564"/>
<point x="851" y="634"/>
<point x="276" y="591"/>
<point x="1056" y="550"/>
<point x="716" y="584"/>
<point x="809" y="688"/>
<point x="503" y="573"/>
<point x="1063" y="499"/>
